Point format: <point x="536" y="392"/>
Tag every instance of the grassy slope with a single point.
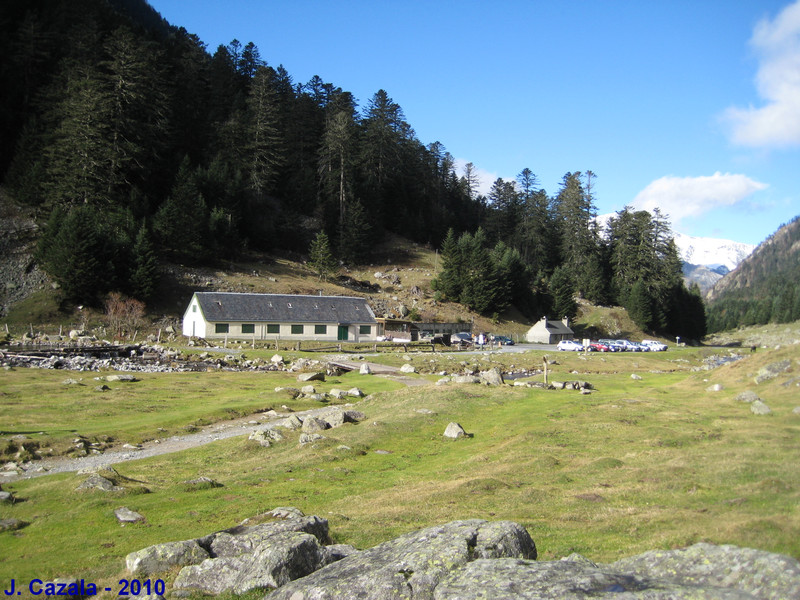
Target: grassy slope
<point x="656" y="463"/>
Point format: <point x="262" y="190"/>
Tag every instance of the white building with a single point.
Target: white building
<point x="279" y="316"/>
<point x="547" y="331"/>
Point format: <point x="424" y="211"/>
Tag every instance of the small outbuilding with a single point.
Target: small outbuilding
<point x="279" y="316"/>
<point x="548" y="331"/>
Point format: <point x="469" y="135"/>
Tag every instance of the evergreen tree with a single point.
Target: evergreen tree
<point x="76" y="256"/>
<point x="355" y="234"/>
<point x="640" y="306"/>
<point x="144" y="274"/>
<point x="479" y="287"/>
<point x="263" y="148"/>
<point x="449" y="281"/>
<point x="579" y="245"/>
<point x="321" y="257"/>
<point x="562" y="291"/>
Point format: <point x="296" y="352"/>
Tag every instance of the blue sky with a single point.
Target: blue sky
<point x="689" y="105"/>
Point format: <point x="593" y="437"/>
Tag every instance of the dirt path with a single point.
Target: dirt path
<point x="217" y="431"/>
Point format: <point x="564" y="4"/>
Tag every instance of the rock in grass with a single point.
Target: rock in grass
<point x="747" y="396"/>
<point x="412" y="565"/>
<point x="759" y="408"/>
<point x="319" y="376"/>
<point x="201" y="483"/>
<point x="126" y="515"/>
<point x="771" y="371"/>
<point x="743" y="572"/>
<point x="161" y="557"/>
<point x="454" y="431"/>
<point x="282" y="558"/>
<point x="12" y="524"/>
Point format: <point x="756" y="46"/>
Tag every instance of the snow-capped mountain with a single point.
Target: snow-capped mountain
<point x="707" y="260"/>
<point x="712" y="252"/>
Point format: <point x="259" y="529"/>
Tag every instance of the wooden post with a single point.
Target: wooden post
<point x="254" y="340"/>
<point x="544" y="360"/>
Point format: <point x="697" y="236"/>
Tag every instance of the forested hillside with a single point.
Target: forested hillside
<point x="765" y="288"/>
<point x="136" y="143"/>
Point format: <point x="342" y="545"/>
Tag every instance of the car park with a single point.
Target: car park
<point x="569" y="345"/>
<point x="613" y="345"/>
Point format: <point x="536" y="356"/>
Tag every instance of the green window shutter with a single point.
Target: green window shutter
<point x="365" y="329"/>
<point x="248" y="328"/>
<point x="273" y="328"/>
<point x="221" y="328"/>
<point x="320" y="329"/>
<point x="297" y="330"/>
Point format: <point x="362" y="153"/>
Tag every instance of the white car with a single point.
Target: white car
<point x="654" y="345"/>
<point x="570" y="345"/>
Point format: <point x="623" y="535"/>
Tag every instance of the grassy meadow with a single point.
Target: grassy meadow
<point x="656" y="463"/>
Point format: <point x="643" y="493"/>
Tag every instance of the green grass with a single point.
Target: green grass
<point x="39" y="404"/>
<point x="636" y="465"/>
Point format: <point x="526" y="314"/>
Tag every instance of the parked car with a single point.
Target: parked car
<point x="462" y="338"/>
<point x="569" y="345"/>
<point x="613" y="345"/>
<point x="629" y="346"/>
<point x="655" y="346"/>
<point x="504" y="340"/>
<point x="599" y="347"/>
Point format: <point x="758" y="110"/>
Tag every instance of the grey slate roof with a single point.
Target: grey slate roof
<point x="283" y="308"/>
<point x="557" y="327"/>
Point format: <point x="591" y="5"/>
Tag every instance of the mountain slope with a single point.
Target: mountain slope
<point x="764" y="288"/>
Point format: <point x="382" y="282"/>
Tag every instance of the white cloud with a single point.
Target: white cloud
<point x="776" y="123"/>
<point x="683" y="197"/>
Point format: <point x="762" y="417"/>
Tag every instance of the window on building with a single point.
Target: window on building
<point x="221" y="328"/>
<point x="248" y="328"/>
<point x="273" y="328"/>
<point x="194" y="307"/>
<point x="365" y="329"/>
<point x="297" y="329"/>
<point x="320" y="329"/>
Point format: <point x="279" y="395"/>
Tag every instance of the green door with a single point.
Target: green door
<point x="342" y="333"/>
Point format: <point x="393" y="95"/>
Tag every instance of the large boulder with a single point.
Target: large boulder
<point x="245" y="538"/>
<point x="492" y="377"/>
<point x="412" y="565"/>
<point x="752" y="573"/>
<point x="161" y="557"/>
<point x="274" y="562"/>
<point x="515" y="579"/>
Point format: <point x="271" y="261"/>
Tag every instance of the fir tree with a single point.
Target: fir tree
<point x="144" y="274"/>
<point x="321" y="258"/>
<point x="562" y="290"/>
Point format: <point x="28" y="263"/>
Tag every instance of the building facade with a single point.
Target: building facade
<point x="279" y="317"/>
<point x="548" y="331"/>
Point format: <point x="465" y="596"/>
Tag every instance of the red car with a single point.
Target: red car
<point x="599" y="347"/>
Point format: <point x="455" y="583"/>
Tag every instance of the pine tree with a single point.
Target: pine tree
<point x="449" y="281"/>
<point x="144" y="274"/>
<point x="264" y="146"/>
<point x="355" y="234"/>
<point x="321" y="257"/>
<point x="76" y="257"/>
<point x="640" y="306"/>
<point x="562" y="290"/>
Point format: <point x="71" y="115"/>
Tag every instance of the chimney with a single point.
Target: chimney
<point x="565" y="321"/>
